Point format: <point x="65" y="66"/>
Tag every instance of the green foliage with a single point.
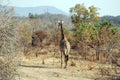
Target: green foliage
<point x="93" y="14"/>
<point x="110" y="27"/>
<point x="32" y="16"/>
<point x="114" y="30"/>
<point x="84" y="31"/>
<point x="95" y="32"/>
<point x="80" y="14"/>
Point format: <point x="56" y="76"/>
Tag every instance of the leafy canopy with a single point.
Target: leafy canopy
<point x="80" y="14"/>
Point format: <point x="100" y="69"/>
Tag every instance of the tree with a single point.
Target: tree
<point x="93" y="14"/>
<point x="80" y="14"/>
<point x="33" y="16"/>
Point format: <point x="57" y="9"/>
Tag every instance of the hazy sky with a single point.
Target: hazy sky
<point x="106" y="7"/>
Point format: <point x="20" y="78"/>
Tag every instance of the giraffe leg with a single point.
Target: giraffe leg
<point x="36" y="55"/>
<point x="61" y="60"/>
<point x="66" y="60"/>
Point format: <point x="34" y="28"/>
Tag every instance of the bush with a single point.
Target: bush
<point x="7" y="68"/>
<point x="8" y="45"/>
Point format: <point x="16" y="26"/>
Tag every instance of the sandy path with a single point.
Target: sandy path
<point x="48" y="73"/>
<point x="34" y="70"/>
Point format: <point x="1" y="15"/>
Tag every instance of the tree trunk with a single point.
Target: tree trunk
<point x="97" y="55"/>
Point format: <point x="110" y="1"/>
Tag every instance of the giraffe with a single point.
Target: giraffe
<point x="64" y="45"/>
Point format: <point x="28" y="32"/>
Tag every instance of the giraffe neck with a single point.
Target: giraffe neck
<point x="62" y="32"/>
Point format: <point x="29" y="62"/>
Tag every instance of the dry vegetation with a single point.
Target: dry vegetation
<point x="82" y="64"/>
<point x="8" y="46"/>
<point x="43" y="63"/>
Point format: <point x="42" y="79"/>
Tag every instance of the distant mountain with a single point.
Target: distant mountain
<point x="113" y="19"/>
<point x="24" y="11"/>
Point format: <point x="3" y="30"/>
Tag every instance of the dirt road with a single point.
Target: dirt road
<point x="48" y="68"/>
<point x="48" y="73"/>
<point x="33" y="69"/>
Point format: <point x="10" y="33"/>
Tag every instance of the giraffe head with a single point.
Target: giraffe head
<point x="60" y="22"/>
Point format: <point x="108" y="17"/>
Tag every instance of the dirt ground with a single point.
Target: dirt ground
<point x="46" y="67"/>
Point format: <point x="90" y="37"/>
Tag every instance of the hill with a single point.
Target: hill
<point x="113" y="19"/>
<point x="24" y="11"/>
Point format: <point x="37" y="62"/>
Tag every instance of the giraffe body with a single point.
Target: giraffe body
<point x="64" y="46"/>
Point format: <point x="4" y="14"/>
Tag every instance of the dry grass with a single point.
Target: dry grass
<point x="48" y="65"/>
